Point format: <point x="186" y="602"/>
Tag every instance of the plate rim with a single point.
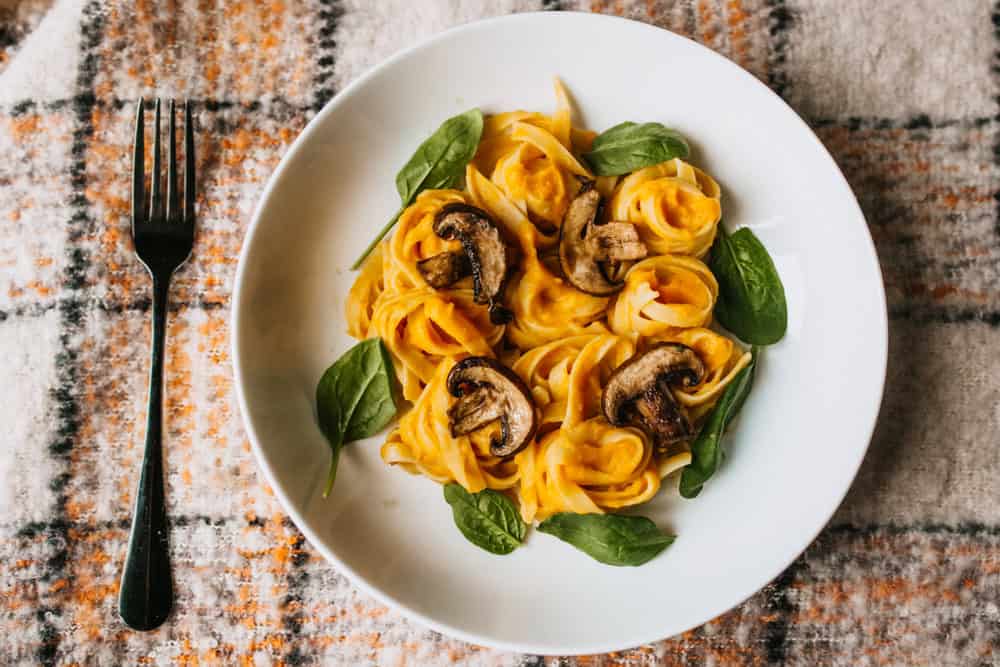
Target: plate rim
<point x="301" y="524"/>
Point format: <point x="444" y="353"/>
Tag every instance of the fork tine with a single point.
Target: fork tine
<point x="189" y="193"/>
<point x="172" y="212"/>
<point x="156" y="198"/>
<point x="138" y="158"/>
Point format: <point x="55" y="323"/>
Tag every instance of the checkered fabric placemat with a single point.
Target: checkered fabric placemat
<point x="904" y="93"/>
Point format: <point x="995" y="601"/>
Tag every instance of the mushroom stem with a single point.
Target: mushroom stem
<point x="445" y="268"/>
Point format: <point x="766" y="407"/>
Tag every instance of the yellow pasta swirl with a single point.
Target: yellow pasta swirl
<point x="586" y="469"/>
<point x="529" y="157"/>
<point x="674" y="206"/>
<point x="664" y="293"/>
<point x="722" y="358"/>
<point x="423" y="444"/>
<point x="566" y="376"/>
<point x="414" y="239"/>
<point x="580" y="463"/>
<point x="421" y="327"/>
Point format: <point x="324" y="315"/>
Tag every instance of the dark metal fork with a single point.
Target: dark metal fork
<point x="163" y="241"/>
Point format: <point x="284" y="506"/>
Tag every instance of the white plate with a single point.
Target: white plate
<point x="802" y="433"/>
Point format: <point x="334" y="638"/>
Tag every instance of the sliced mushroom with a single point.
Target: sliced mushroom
<point x="484" y="248"/>
<point x="594" y="256"/>
<point x="445" y="268"/>
<point x="488" y="391"/>
<point x="638" y="392"/>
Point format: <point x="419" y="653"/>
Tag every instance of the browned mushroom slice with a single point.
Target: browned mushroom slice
<point x="638" y="392"/>
<point x="594" y="257"/>
<point x="484" y="248"/>
<point x="488" y="391"/>
<point x="445" y="268"/>
<point x="615" y="242"/>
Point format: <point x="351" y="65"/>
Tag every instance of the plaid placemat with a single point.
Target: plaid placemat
<point x="905" y="95"/>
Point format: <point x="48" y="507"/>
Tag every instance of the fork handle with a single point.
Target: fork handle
<point x="146" y="594"/>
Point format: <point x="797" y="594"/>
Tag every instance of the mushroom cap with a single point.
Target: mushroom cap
<point x="489" y="391"/>
<point x="591" y="254"/>
<point x="638" y="392"/>
<point x="482" y="243"/>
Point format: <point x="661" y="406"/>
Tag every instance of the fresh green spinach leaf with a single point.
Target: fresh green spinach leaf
<point x="706" y="450"/>
<point x="355" y="398"/>
<point x="613" y="539"/>
<point x="438" y="163"/>
<point x="751" y="300"/>
<point x="629" y="146"/>
<point x="488" y="519"/>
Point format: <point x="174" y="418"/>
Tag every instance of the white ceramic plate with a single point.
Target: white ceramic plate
<point x="802" y="434"/>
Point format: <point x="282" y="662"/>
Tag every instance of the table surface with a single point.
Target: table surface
<point x="903" y="93"/>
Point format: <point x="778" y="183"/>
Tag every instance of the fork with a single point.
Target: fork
<point x="163" y="240"/>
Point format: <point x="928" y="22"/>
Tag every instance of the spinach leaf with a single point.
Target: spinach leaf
<point x="438" y="163"/>
<point x="488" y="519"/>
<point x="706" y="450"/>
<point x="613" y="539"/>
<point x="751" y="300"/>
<point x="354" y="398"/>
<point x="629" y="146"/>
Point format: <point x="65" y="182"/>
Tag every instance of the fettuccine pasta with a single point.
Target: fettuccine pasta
<point x="674" y="205"/>
<point x="428" y="293"/>
<point x="662" y="294"/>
<point x="422" y="327"/>
<point x="414" y="240"/>
<point x="723" y="359"/>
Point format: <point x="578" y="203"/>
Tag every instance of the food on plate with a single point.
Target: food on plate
<point x="547" y="304"/>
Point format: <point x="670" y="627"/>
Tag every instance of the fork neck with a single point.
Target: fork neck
<point x="161" y="287"/>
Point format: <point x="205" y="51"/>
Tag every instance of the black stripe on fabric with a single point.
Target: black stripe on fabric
<point x="552" y="5"/>
<point x="918" y="122"/>
<point x="965" y="529"/>
<point x="944" y="315"/>
<point x="780" y="22"/>
<point x="61" y="525"/>
<point x="10" y="34"/>
<point x="323" y="89"/>
<point x="143" y="304"/>
<point x="296" y="580"/>
<point x="64" y="395"/>
<point x="780" y="608"/>
<point x="28" y="310"/>
<point x="140" y="304"/>
<point x="278" y="106"/>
